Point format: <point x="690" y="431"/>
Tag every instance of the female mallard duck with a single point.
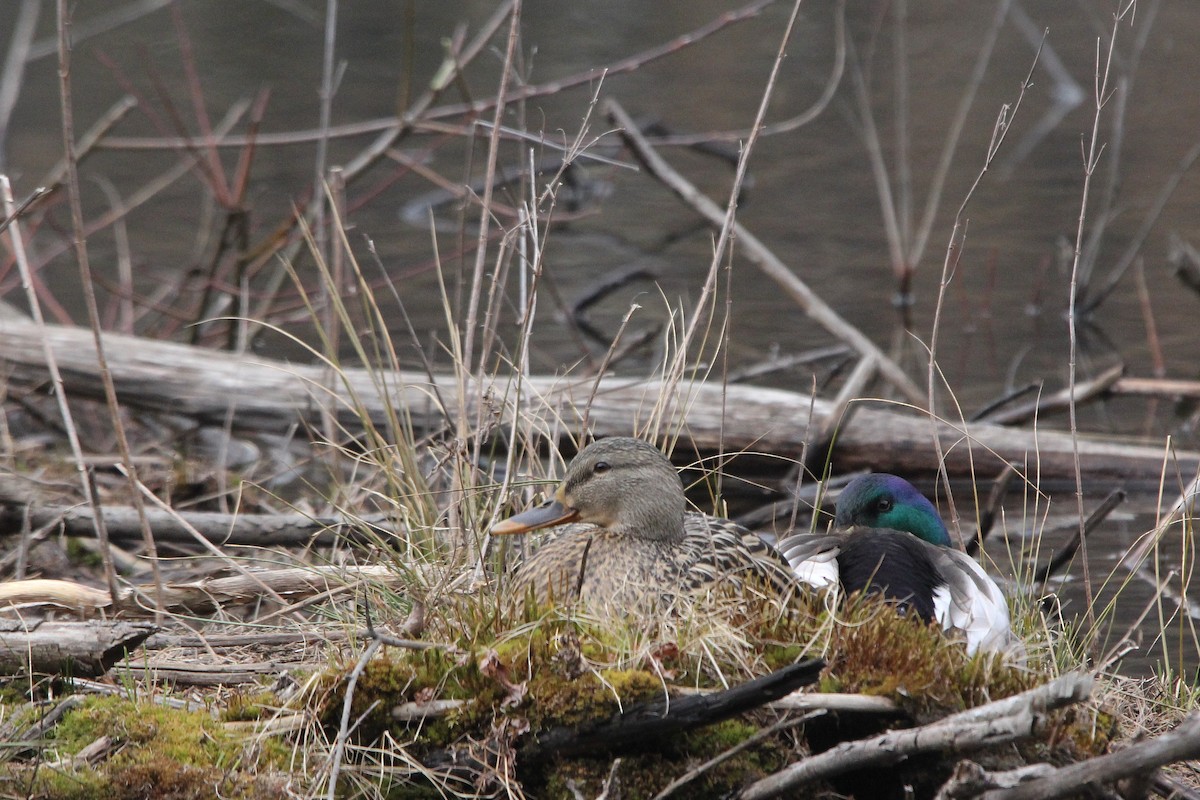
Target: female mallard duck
<point x="634" y="544"/>
<point x="889" y="538"/>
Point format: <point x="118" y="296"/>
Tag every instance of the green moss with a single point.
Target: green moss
<point x="778" y="656"/>
<point x="562" y="702"/>
<point x="879" y="652"/>
<point x="161" y="753"/>
<point x="249" y="706"/>
<point x="80" y="554"/>
<point x="188" y="737"/>
<point x="526" y="670"/>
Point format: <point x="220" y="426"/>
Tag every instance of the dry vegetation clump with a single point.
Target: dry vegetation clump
<point x="516" y="672"/>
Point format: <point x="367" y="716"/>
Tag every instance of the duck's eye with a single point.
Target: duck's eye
<point x="885" y="504"/>
<point x="601" y="466"/>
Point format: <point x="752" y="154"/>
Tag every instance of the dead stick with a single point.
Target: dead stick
<point x="258" y="530"/>
<point x="1004" y="721"/>
<point x="1156" y="387"/>
<point x="756" y="251"/>
<point x="1178" y="745"/>
<point x="1067" y="551"/>
<point x="992" y="510"/>
<point x="1088" y="390"/>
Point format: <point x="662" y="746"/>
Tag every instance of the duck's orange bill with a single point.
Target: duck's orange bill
<point x="548" y="513"/>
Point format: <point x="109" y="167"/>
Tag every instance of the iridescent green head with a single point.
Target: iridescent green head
<point x="879" y="500"/>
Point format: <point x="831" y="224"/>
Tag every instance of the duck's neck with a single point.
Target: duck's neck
<point x="921" y="521"/>
<point x="658" y="520"/>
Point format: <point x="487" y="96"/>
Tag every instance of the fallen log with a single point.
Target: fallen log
<point x="1003" y="721"/>
<point x="638" y="727"/>
<point x="1139" y="758"/>
<point x="199" y="596"/>
<point x="263" y="394"/>
<point x="81" y="649"/>
<point x="183" y="527"/>
<point x="189" y="673"/>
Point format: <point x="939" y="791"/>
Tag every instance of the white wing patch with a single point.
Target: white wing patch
<point x="819" y="573"/>
<point x="972" y="603"/>
<point x="814" y="559"/>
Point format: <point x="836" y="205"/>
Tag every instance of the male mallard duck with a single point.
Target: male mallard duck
<point x="889" y="538"/>
<point x="634" y="544"/>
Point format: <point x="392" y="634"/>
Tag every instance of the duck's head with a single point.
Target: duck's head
<point x="879" y="500"/>
<point x="620" y="483"/>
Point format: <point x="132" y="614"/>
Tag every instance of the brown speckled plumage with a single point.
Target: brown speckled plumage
<point x="630" y="541"/>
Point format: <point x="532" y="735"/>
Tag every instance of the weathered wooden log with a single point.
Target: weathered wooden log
<point x="180" y="673"/>
<point x="1181" y="744"/>
<point x="81" y="649"/>
<point x="653" y="721"/>
<point x="260" y="393"/>
<point x="199" y="596"/>
<point x="1006" y="720"/>
<point x="185" y="527"/>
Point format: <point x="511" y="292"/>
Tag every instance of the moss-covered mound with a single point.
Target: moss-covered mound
<point x="472" y="715"/>
<point x="516" y="674"/>
<point x="154" y="751"/>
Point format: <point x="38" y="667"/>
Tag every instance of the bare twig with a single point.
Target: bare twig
<point x="339" y="746"/>
<point x="1000" y="131"/>
<point x="64" y="408"/>
<point x="1004" y="721"/>
<point x="1068" y="550"/>
<point x="89" y="292"/>
<point x="1178" y="745"/>
<point x="1083" y="392"/>
<point x="1091" y="160"/>
<point x="755" y="250"/>
<point x="21" y="208"/>
<point x="1009" y="396"/>
<point x="704" y="308"/>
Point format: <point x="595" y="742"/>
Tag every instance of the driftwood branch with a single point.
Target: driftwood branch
<point x="198" y="596"/>
<point x="1136" y="759"/>
<point x="840" y="703"/>
<point x="1060" y="400"/>
<point x="259" y="393"/>
<point x="969" y="780"/>
<point x="85" y="649"/>
<point x="750" y="246"/>
<point x="1007" y="720"/>
<point x="644" y="723"/>
<point x="181" y="527"/>
<point x="184" y="673"/>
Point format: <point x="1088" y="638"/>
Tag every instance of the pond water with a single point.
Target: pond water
<point x="814" y="199"/>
